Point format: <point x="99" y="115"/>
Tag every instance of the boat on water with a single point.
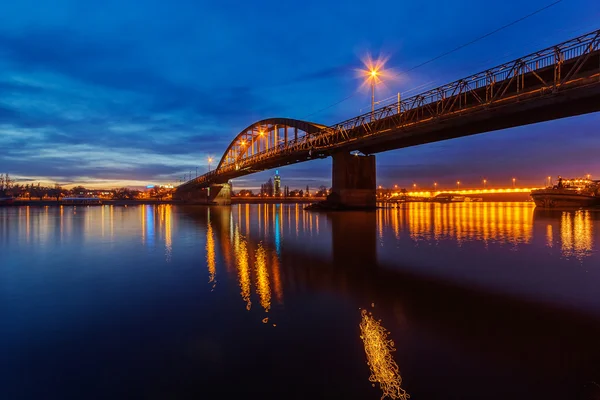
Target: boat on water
<point x="448" y="198"/>
<point x="568" y="193"/>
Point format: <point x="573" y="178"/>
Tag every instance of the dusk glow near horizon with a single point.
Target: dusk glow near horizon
<point x="111" y="95"/>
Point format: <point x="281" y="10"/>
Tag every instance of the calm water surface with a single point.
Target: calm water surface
<point x="458" y="301"/>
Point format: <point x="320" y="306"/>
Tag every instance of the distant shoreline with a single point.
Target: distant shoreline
<point x="110" y="202"/>
<point x="497" y="197"/>
<point x="54" y="203"/>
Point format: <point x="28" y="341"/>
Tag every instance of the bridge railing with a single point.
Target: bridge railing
<point x="551" y="56"/>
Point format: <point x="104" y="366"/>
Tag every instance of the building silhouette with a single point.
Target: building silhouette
<point x="277" y="185"/>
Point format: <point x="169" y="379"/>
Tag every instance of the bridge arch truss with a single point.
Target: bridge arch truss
<point x="264" y="136"/>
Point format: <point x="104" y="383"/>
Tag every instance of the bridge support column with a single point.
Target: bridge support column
<point x="217" y="194"/>
<point x="354" y="182"/>
<point x="220" y="194"/>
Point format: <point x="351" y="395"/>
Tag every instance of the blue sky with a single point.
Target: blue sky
<point x="129" y="93"/>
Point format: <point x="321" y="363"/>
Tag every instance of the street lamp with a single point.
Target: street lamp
<point x="458" y="185"/>
<point x="414" y="186"/>
<point x="484" y="183"/>
<point x="435" y="185"/>
<point x="209" y="161"/>
<point x="549" y="181"/>
<point x="588" y="176"/>
<point x="373" y="73"/>
<point x="514" y="180"/>
<point x="373" y="77"/>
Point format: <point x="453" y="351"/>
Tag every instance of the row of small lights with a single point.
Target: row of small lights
<point x="485" y="181"/>
<point x="514" y="180"/>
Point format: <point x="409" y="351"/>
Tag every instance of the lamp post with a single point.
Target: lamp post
<point x="484" y="183"/>
<point x="373" y="77"/>
<point x="549" y="181"/>
<point x="434" y="185"/>
<point x="514" y="181"/>
<point x="457" y="185"/>
<point x="209" y="161"/>
<point x="373" y="72"/>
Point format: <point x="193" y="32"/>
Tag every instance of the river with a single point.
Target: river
<point x="431" y="301"/>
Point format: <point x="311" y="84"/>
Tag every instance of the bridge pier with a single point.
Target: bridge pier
<point x="216" y="194"/>
<point x="354" y="181"/>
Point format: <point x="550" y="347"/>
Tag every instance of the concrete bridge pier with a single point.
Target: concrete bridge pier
<point x="354" y="181"/>
<point x="216" y="194"/>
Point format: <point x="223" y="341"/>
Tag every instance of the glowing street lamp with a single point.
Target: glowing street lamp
<point x="414" y="186"/>
<point x="588" y="176"/>
<point x="373" y="77"/>
<point x="373" y="73"/>
<point x="458" y="185"/>
<point x="395" y="186"/>
<point x="484" y="183"/>
<point x="435" y="185"/>
<point x="514" y="181"/>
<point x="209" y="161"/>
<point x="549" y="181"/>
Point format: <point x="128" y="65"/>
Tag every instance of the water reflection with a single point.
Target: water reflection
<point x="149" y="224"/>
<point x="498" y="222"/>
<point x="255" y="263"/>
<point x="210" y="251"/>
<point x="166" y="216"/>
<point x="543" y="316"/>
<point x="576" y="230"/>
<point x="243" y="267"/>
<point x="379" y="349"/>
<point x="262" y="277"/>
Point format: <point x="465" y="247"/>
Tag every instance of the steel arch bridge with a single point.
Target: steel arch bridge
<point x="556" y="82"/>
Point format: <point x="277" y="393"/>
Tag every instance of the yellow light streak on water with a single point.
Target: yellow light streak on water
<point x="379" y="349"/>
<point x="262" y="277"/>
<point x="143" y="219"/>
<point x="566" y="234"/>
<point x="277" y="279"/>
<point x="168" y="234"/>
<point x="210" y="252"/>
<point x="510" y="223"/>
<point x="576" y="234"/>
<point x="241" y="252"/>
<point x="247" y="223"/>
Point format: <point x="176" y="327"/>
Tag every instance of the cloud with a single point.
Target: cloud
<point x="68" y="90"/>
